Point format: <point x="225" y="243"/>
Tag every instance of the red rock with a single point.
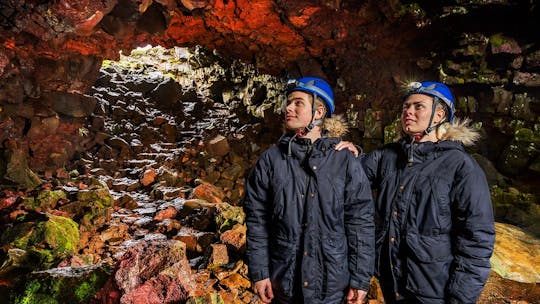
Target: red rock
<point x="7" y="202"/>
<point x="148" y="177"/>
<point x="168" y="213"/>
<point x="236" y="237"/>
<point x="208" y="192"/>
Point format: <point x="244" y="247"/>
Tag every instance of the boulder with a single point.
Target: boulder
<point x="516" y="255"/>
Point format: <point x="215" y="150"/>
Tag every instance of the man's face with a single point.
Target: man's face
<point x="299" y="110"/>
<point x="416" y="113"/>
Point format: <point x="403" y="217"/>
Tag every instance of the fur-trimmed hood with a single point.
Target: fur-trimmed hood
<point x="457" y="130"/>
<point x="335" y="126"/>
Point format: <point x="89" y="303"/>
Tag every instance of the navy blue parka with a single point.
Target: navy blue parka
<point x="309" y="218"/>
<point x="434" y="220"/>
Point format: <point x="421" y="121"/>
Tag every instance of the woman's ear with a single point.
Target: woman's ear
<point x="440" y="115"/>
<point x="320" y="112"/>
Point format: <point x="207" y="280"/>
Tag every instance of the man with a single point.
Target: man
<point x="309" y="209"/>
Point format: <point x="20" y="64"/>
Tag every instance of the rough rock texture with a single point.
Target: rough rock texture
<point x="51" y="52"/>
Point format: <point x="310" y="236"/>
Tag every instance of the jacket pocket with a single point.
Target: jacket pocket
<point x="430" y="248"/>
<point x="335" y="265"/>
<point x="282" y="266"/>
<point x="428" y="264"/>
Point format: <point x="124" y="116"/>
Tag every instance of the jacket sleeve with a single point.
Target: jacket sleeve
<point x="370" y="164"/>
<point x="473" y="235"/>
<point x="256" y="203"/>
<point x="360" y="227"/>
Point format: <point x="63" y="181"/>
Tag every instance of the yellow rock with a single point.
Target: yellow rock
<point x="516" y="255"/>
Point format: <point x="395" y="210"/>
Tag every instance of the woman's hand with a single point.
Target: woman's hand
<point x="263" y="289"/>
<point x="349" y="146"/>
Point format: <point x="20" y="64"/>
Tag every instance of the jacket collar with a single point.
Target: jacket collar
<point x="301" y="146"/>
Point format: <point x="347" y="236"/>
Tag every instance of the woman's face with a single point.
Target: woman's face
<point x="416" y="113"/>
<point x="298" y="113"/>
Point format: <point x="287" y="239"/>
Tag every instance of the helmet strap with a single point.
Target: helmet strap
<point x="434" y="108"/>
<point x="313" y="122"/>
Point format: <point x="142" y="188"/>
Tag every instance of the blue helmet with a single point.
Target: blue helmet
<point x="317" y="87"/>
<point x="434" y="89"/>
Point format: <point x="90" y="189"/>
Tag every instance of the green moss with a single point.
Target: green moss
<point x="524" y="135"/>
<point x="228" y="216"/>
<point x="497" y="40"/>
<point x="88" y="288"/>
<point x="46" y="242"/>
<point x="48" y="198"/>
<point x="30" y="203"/>
<point x="101" y="196"/>
<point x="211" y="298"/>
<point x="62" y="235"/>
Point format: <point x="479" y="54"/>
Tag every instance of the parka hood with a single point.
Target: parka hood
<point x="335" y="126"/>
<point x="457" y="130"/>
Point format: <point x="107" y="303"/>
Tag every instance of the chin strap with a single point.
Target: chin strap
<point x="429" y="129"/>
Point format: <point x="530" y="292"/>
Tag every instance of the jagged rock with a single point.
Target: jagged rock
<point x="167" y="213"/>
<point x="516" y="255"/>
<point x="235" y="281"/>
<point x="217" y="255"/>
<point x="519" y="152"/>
<point x="126" y="201"/>
<point x="373" y="124"/>
<point x="91" y="209"/>
<point x="533" y="60"/>
<point x="527" y="79"/>
<point x="228" y="216"/>
<point x="208" y="192"/>
<point x="115" y="233"/>
<point x="235" y="238"/>
<point x="17" y="169"/>
<point x="73" y="105"/>
<point x="217" y="146"/>
<point x="198" y="214"/>
<point x="492" y="175"/>
<point x="196" y="242"/>
<point x="210" y="298"/>
<point x="502" y="44"/>
<point x="502" y="100"/>
<point x="150" y="272"/>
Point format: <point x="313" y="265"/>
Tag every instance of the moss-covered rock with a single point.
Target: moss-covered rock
<point x="516" y="207"/>
<point x="92" y="207"/>
<point x="48" y="198"/>
<point x="45" y="242"/>
<point x="227" y="216"/>
<point x="63" y="285"/>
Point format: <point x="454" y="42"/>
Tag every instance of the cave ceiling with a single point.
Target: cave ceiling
<point x="362" y="47"/>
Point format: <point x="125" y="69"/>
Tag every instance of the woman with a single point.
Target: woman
<point x="434" y="220"/>
<point x="309" y="209"/>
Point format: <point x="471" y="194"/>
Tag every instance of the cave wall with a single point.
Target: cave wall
<point x="487" y="51"/>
